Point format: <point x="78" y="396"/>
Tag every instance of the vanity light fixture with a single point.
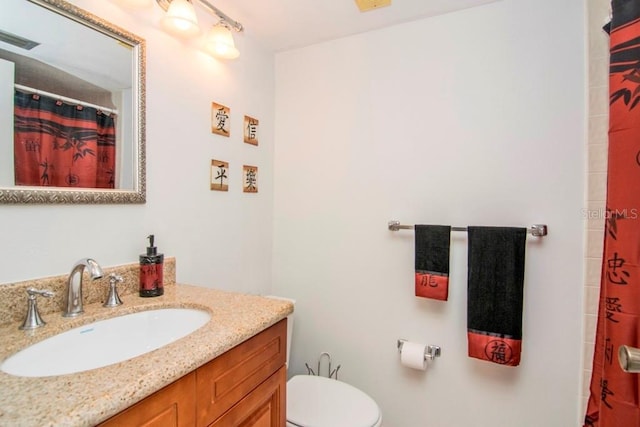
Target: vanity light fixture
<point x="219" y="42"/>
<point x="180" y="19"/>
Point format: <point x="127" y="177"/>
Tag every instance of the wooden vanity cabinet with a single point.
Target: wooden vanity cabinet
<point x="171" y="406"/>
<point x="230" y="378"/>
<point x="263" y="407"/>
<point x="244" y="387"/>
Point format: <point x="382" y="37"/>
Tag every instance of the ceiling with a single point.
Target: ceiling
<point x="287" y="24"/>
<point x="278" y="25"/>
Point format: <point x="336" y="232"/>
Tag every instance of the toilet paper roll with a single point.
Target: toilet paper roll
<point x="412" y="355"/>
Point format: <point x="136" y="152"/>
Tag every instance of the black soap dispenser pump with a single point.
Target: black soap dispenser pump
<point x="151" y="268"/>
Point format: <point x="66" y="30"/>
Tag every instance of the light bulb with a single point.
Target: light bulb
<point x="181" y="19"/>
<point x="219" y="43"/>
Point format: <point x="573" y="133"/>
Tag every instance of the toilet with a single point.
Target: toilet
<point x="315" y="401"/>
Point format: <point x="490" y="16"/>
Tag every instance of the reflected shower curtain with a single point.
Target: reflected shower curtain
<point x="614" y="398"/>
<point x="62" y="145"/>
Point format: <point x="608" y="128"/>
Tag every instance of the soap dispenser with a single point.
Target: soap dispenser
<point x="151" y="265"/>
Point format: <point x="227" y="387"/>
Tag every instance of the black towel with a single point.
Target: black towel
<point x="432" y="261"/>
<point x="495" y="293"/>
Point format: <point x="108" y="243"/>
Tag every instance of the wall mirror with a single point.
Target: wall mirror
<point x="59" y="56"/>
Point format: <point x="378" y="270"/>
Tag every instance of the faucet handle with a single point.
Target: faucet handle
<point x="33" y="320"/>
<point x="113" y="300"/>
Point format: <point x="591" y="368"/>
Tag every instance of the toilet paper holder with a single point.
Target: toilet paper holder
<point x="430" y="351"/>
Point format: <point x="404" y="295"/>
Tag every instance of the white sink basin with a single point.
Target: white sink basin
<point x="105" y="342"/>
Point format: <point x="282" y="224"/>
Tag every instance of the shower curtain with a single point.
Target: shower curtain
<point x="614" y="394"/>
<point x="61" y="145"/>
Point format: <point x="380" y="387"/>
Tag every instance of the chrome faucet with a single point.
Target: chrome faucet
<point x="33" y="320"/>
<point x="73" y="303"/>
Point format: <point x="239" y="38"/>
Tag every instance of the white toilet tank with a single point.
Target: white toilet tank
<point x="289" y="323"/>
<point x="319" y="401"/>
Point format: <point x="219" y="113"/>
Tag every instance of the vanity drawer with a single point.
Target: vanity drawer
<point x="226" y="380"/>
<point x="263" y="407"/>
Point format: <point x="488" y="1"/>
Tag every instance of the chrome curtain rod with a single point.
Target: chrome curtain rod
<point x="538" y="230"/>
<point x="65" y="99"/>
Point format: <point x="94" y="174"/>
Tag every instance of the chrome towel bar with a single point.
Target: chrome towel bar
<point x="537" y="230"/>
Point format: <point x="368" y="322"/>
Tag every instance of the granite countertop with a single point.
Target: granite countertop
<point x="87" y="398"/>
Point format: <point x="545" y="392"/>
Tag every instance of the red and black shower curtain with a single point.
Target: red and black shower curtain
<point x="61" y="145"/>
<point x="614" y="399"/>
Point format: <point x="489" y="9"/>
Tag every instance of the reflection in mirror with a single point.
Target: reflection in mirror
<point x="72" y="113"/>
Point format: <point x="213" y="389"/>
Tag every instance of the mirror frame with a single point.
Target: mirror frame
<point x="62" y="195"/>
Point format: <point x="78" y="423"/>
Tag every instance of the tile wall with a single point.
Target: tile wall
<point x="593" y="215"/>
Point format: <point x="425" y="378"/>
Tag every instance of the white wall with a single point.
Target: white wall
<point x="475" y="117"/>
<point x="219" y="239"/>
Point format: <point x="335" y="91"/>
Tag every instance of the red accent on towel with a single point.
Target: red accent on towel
<point x="504" y="351"/>
<point x="432" y="285"/>
<point x="431" y="267"/>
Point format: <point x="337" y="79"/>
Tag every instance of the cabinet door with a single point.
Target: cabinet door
<point x="172" y="406"/>
<point x="263" y="407"/>
<point x="227" y="379"/>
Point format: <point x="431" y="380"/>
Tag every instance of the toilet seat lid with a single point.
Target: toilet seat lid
<point x="319" y="402"/>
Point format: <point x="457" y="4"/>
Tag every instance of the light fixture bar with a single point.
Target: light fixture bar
<point x="233" y="23"/>
<point x="164" y="4"/>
